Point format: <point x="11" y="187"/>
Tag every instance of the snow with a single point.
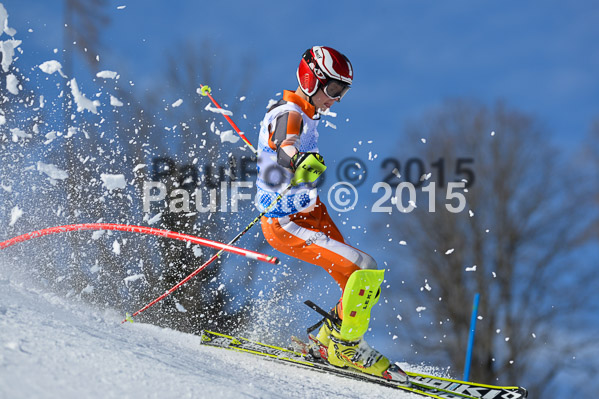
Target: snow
<point x="180" y="308"/>
<point x="4" y="22"/>
<point x="12" y="84"/>
<point x="135" y="277"/>
<point x="197" y="251"/>
<point x="50" y="136"/>
<point x="271" y="102"/>
<point x="229" y="136"/>
<point x="115" y="102"/>
<point x="51" y="67"/>
<point x="155" y="219"/>
<point x="107" y="74"/>
<point x="113" y="182"/>
<point x="177" y="103"/>
<point x="52" y="347"/>
<point x="116" y="247"/>
<point x="328" y="112"/>
<point x="52" y="171"/>
<point x="18" y="133"/>
<point x="3" y="16"/>
<point x="210" y="108"/>
<point x="7" y="48"/>
<point x="329" y="124"/>
<point x="15" y="214"/>
<point x="97" y="234"/>
<point x="82" y="101"/>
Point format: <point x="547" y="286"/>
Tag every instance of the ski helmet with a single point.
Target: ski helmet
<point x="326" y="68"/>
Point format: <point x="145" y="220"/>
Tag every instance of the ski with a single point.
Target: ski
<point x="421" y="384"/>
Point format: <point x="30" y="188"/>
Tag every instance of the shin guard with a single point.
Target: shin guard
<point x="361" y="293"/>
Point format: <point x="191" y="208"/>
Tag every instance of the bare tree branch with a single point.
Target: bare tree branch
<point x="528" y="214"/>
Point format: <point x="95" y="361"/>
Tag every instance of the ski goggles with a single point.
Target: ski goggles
<point x="335" y="89"/>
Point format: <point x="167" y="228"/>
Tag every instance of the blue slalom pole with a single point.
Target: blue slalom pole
<point x="471" y="336"/>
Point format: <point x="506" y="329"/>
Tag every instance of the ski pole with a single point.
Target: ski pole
<point x="212" y="259"/>
<point x="206" y="91"/>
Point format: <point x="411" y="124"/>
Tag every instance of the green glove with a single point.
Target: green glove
<point x="307" y="166"/>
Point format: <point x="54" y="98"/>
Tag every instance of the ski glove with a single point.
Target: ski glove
<point x="307" y="166"/>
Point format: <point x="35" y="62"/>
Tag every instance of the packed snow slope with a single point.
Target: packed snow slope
<point x="54" y="347"/>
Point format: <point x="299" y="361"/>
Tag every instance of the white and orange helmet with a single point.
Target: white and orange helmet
<point x="326" y="68"/>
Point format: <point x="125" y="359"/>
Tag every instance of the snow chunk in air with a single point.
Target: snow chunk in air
<point x="12" y="84"/>
<point x="51" y="67"/>
<point x="229" y="136"/>
<point x="155" y="219"/>
<point x="18" y="133"/>
<point x="116" y="247"/>
<point x="218" y="110"/>
<point x="113" y="182"/>
<point x="180" y="307"/>
<point x="107" y="75"/>
<point x="15" y="214"/>
<point x="115" y="102"/>
<point x="133" y="278"/>
<point x="52" y="171"/>
<point x="8" y="52"/>
<point x="4" y="22"/>
<point x="82" y="101"/>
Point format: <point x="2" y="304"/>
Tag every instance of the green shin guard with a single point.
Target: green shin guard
<point x="361" y="293"/>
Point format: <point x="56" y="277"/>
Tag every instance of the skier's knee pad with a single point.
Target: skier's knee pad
<point x="361" y="293"/>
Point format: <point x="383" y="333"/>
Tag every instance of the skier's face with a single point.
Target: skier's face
<point x="322" y="101"/>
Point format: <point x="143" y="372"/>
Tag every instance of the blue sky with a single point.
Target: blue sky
<point x="408" y="56"/>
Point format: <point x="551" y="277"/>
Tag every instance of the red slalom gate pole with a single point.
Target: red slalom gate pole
<point x="206" y="91"/>
<point x="212" y="259"/>
<point x="143" y="230"/>
<point x="129" y="317"/>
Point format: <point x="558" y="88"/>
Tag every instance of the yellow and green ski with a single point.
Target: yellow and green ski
<point x="421" y="384"/>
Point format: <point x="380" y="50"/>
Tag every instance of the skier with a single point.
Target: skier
<point x="299" y="224"/>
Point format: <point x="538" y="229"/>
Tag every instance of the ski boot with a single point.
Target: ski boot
<point x="319" y="344"/>
<point x="340" y="340"/>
